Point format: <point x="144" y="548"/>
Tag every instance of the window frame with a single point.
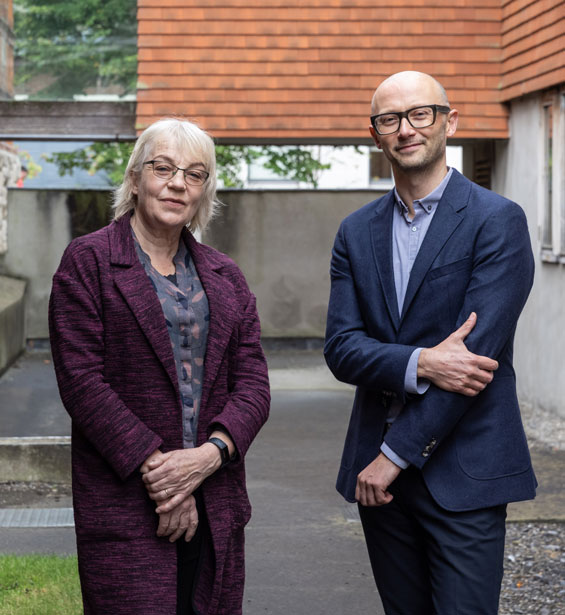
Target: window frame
<point x="383" y="183"/>
<point x="552" y="212"/>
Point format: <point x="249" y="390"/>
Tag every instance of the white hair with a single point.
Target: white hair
<point x="189" y="138"/>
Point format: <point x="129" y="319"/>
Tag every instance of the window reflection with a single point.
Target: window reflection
<point x="64" y="49"/>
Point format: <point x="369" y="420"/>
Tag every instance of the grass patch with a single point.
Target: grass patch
<point x="39" y="585"/>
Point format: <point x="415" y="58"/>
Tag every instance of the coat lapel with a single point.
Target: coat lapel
<point x="446" y="219"/>
<point x="136" y="288"/>
<point x="381" y="240"/>
<point x="223" y="306"/>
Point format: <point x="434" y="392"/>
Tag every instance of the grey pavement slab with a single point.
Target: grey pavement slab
<point x="42" y="541"/>
<point x="29" y="399"/>
<point x="305" y="549"/>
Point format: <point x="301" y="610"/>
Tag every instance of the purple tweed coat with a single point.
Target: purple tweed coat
<point x="117" y="379"/>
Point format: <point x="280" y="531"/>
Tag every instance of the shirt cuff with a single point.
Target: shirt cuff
<point x="390" y="454"/>
<point x="413" y="384"/>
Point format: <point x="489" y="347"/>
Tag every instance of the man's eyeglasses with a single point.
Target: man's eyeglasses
<point x="166" y="170"/>
<point x="418" y="117"/>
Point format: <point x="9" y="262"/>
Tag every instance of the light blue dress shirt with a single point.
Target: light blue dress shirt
<point x="407" y="238"/>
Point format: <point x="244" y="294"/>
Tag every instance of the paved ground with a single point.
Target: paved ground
<point x="305" y="552"/>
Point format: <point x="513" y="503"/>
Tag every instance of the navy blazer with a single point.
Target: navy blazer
<point x="476" y="256"/>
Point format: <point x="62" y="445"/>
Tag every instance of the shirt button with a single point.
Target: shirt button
<point x="414" y="229"/>
<point x="429" y="208"/>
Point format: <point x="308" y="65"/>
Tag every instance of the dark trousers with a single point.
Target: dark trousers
<point x="188" y="557"/>
<point x="430" y="561"/>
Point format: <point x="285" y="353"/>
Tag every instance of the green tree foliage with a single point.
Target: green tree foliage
<point x="289" y="162"/>
<point x="67" y="47"/>
<point x="110" y="158"/>
<point x="294" y="163"/>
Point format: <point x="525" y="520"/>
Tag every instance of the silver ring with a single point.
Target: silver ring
<point x="166" y="493"/>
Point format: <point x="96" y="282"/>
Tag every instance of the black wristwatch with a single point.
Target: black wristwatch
<point x="224" y="451"/>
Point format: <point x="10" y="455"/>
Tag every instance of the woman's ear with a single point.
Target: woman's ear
<point x="134" y="182"/>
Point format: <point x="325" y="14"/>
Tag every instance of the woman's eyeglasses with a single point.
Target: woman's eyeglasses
<point x="166" y="170"/>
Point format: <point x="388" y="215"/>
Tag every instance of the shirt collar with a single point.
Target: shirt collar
<point x="429" y="202"/>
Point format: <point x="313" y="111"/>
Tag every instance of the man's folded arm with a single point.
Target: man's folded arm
<point x="500" y="283"/>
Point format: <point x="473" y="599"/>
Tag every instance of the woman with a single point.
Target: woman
<point x="156" y="346"/>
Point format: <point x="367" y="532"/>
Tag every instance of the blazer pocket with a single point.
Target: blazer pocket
<point x="490" y="438"/>
<point x="455" y="266"/>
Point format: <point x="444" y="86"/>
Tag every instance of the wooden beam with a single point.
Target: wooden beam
<point x="67" y="121"/>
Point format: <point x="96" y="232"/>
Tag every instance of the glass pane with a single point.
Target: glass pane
<point x="547" y="239"/>
<point x="67" y="49"/>
<point x="560" y="169"/>
<point x="38" y="173"/>
<point x="379" y="167"/>
<point x="6" y="51"/>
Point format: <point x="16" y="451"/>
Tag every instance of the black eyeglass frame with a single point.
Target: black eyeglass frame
<point x="177" y="169"/>
<point x="404" y="114"/>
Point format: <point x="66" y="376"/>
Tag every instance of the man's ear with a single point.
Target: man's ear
<point x="452" y="118"/>
<point x="375" y="136"/>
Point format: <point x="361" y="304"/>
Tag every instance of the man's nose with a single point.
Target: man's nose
<point x="405" y="127"/>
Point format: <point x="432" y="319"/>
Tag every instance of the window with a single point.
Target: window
<point x="547" y="226"/>
<point x="552" y="185"/>
<point x="380" y="172"/>
<point x="560" y="170"/>
<point x="258" y="174"/>
<point x="38" y="174"/>
<point x="63" y="49"/>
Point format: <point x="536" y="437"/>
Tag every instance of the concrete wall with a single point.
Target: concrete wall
<point x="12" y="328"/>
<point x="541" y="331"/>
<point x="40" y="225"/>
<point x="281" y="239"/>
<point x="9" y="171"/>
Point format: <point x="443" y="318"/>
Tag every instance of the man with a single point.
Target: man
<point x="427" y="286"/>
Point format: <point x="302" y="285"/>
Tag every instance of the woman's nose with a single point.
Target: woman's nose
<point x="177" y="181"/>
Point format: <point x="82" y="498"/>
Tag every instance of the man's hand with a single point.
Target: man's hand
<point x="451" y="367"/>
<point x="183" y="519"/>
<point x="374" y="480"/>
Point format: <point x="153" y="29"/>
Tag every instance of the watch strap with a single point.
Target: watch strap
<point x="224" y="451"/>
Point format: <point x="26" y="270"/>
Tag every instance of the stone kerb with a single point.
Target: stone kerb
<point x="36" y="459"/>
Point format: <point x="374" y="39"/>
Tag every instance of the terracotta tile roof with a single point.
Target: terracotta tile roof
<point x="305" y="70"/>
<point x="533" y="40"/>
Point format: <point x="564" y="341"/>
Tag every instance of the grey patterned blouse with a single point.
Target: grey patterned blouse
<point x="187" y="315"/>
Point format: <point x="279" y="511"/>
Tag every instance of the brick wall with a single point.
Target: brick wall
<point x="306" y="69"/>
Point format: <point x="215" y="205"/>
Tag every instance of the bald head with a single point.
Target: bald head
<point x="413" y="87"/>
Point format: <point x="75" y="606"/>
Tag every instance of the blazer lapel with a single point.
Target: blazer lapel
<point x="446" y="219"/>
<point x="136" y="288"/>
<point x="381" y="240"/>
